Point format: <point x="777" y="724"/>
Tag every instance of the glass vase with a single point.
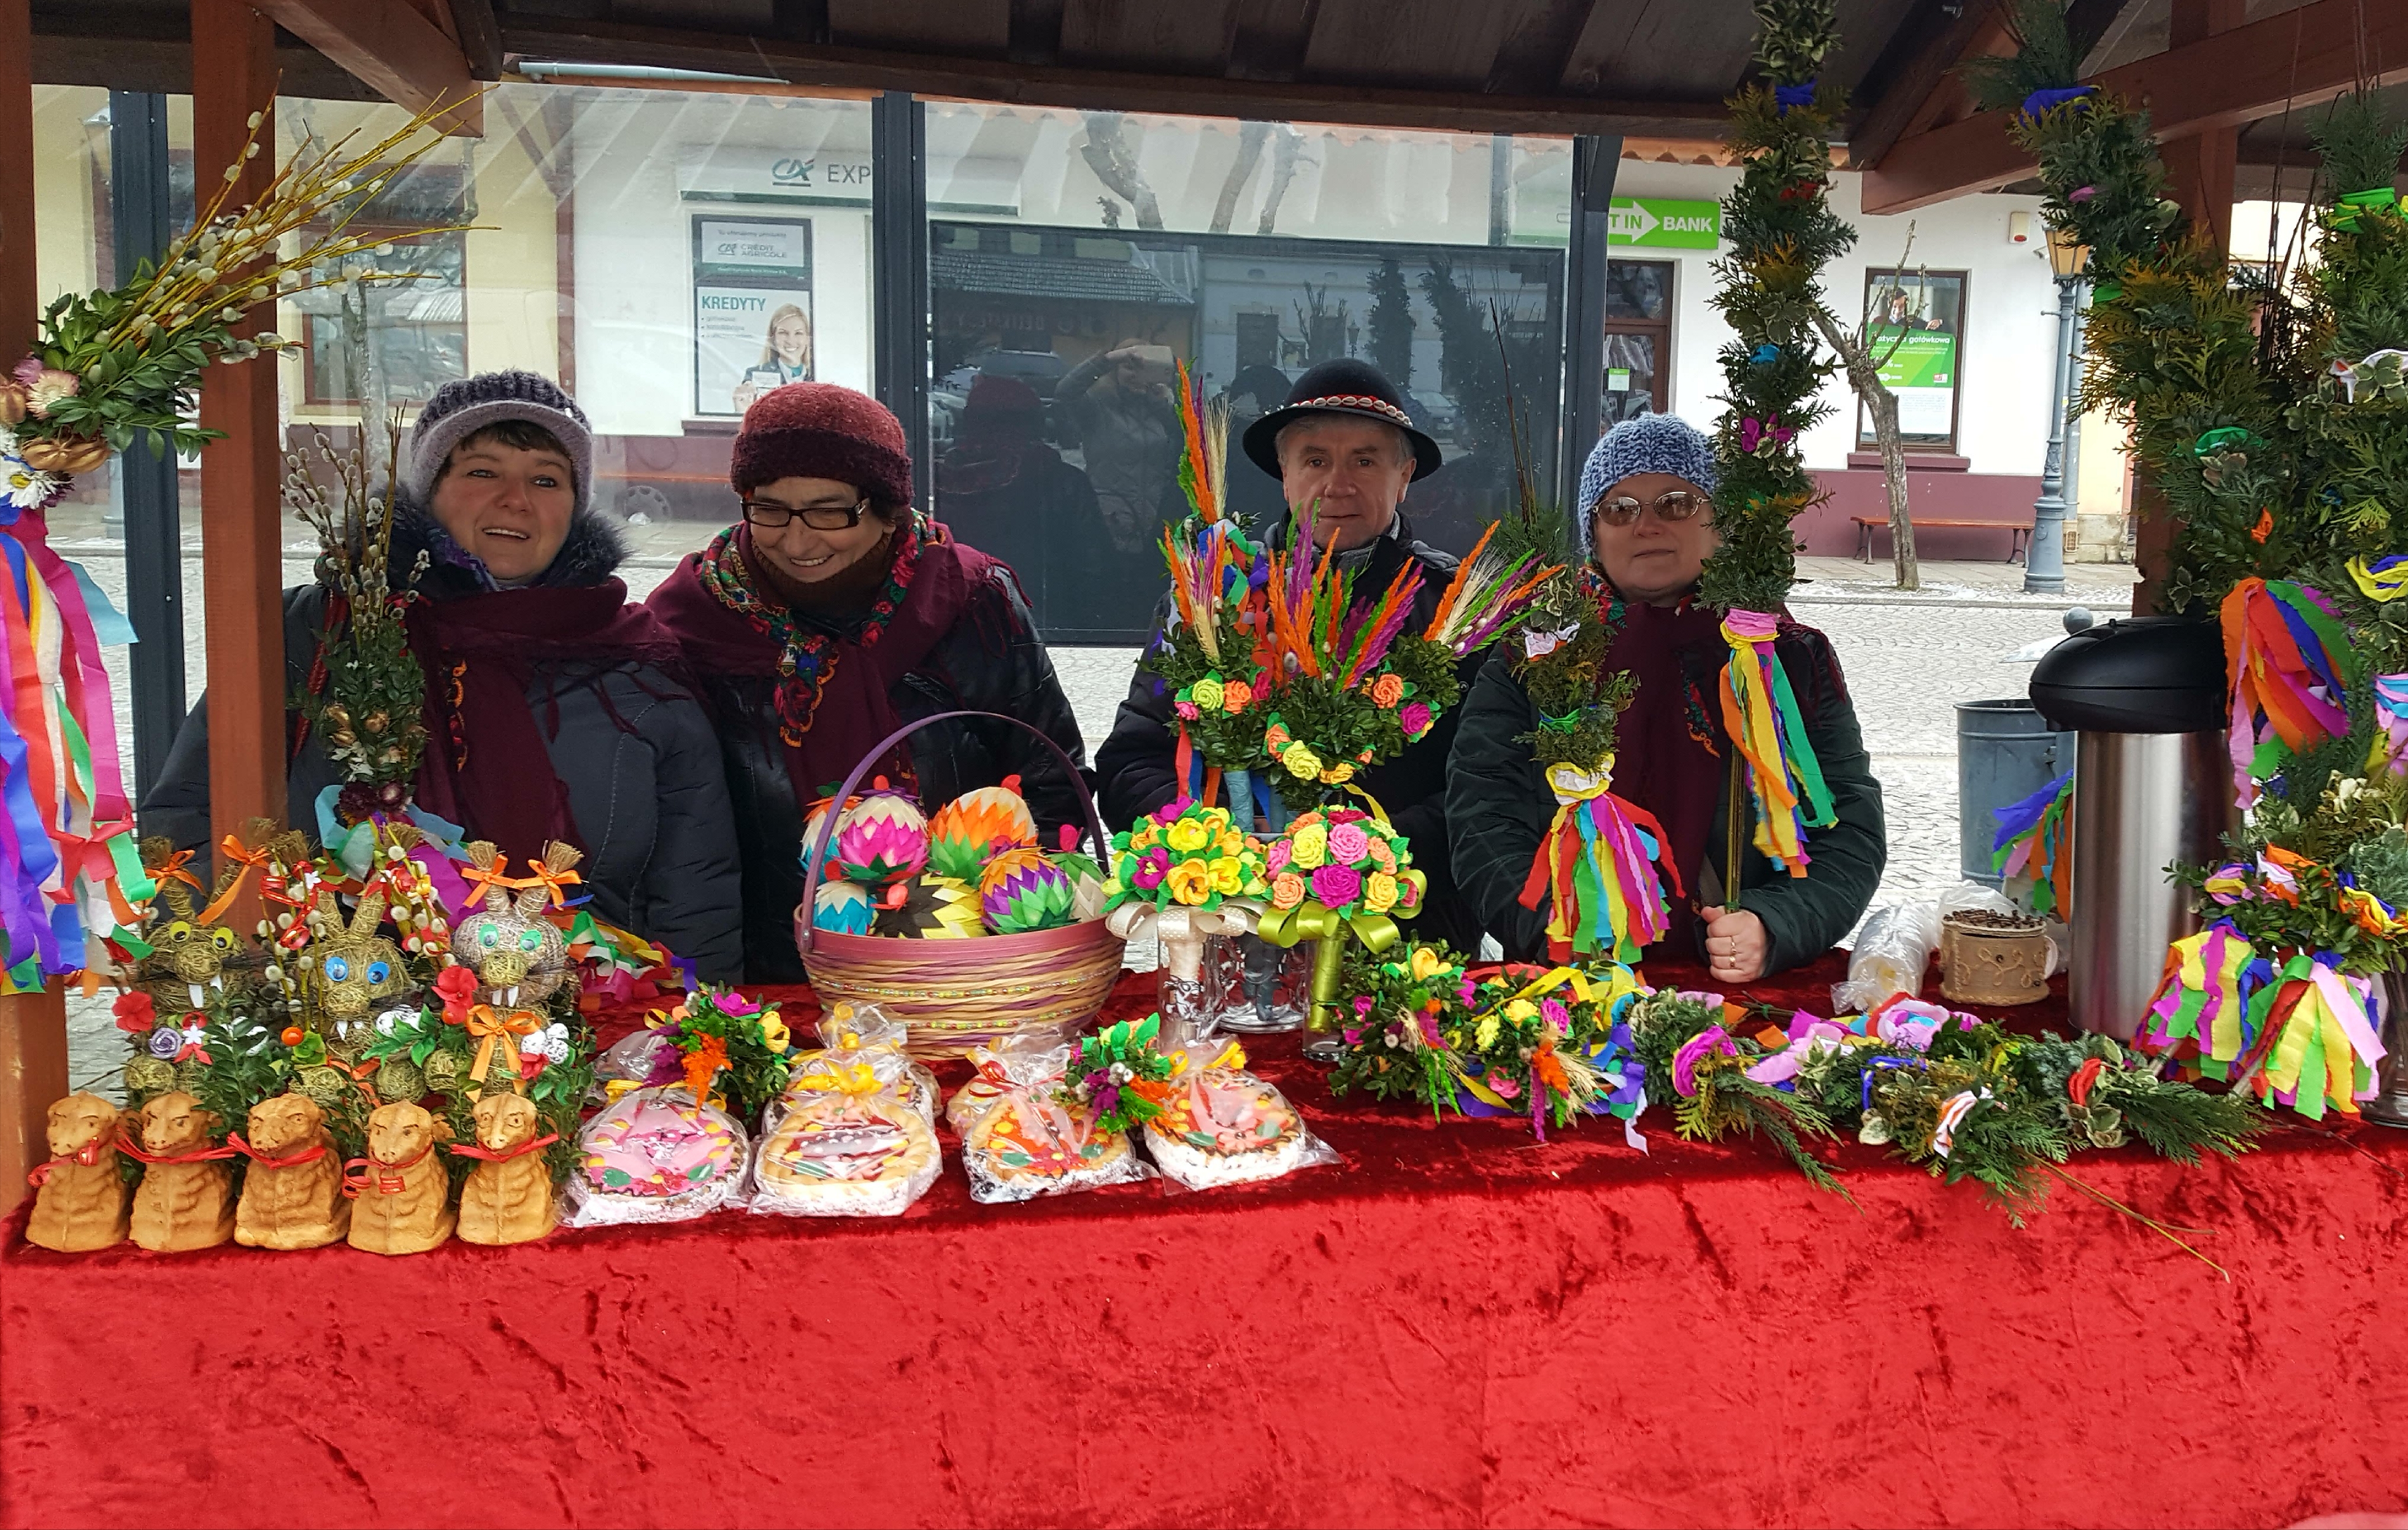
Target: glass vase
<point x="1192" y="983"/>
<point x="1268" y="986"/>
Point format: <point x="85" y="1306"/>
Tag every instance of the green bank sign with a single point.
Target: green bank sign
<point x="1655" y="223"/>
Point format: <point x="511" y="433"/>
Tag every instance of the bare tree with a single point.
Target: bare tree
<point x="1251" y="138"/>
<point x="1284" y="155"/>
<point x="1864" y="356"/>
<point x="1107" y="154"/>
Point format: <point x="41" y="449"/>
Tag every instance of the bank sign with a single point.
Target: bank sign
<point x="1657" y="222"/>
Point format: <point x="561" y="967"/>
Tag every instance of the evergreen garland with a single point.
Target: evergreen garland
<point x="1782" y="231"/>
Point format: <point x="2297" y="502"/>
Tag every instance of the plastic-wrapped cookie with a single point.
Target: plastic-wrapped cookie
<point x="867" y="1155"/>
<point x="1029" y="1143"/>
<point x="1223" y="1127"/>
<point x="655" y="1155"/>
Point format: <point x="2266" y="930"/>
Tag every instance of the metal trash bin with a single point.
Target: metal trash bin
<point x="2005" y="751"/>
<point x="2152" y="785"/>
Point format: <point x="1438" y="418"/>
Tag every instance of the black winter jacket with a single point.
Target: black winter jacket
<point x="1136" y="770"/>
<point x="991" y="661"/>
<point x="661" y="858"/>
<point x="1499" y="805"/>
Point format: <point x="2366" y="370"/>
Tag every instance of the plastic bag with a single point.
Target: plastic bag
<point x="1021" y="1139"/>
<point x="852" y="1028"/>
<point x="1222" y="1125"/>
<point x="655" y="1155"/>
<point x="850" y="1141"/>
<point x="637" y="1059"/>
<point x="1896" y="942"/>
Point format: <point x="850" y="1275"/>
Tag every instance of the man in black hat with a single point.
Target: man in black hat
<point x="1343" y="450"/>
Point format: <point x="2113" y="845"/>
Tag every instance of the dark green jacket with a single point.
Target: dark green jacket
<point x="1499" y="806"/>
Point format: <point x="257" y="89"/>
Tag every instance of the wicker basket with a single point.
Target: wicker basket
<point x="956" y="994"/>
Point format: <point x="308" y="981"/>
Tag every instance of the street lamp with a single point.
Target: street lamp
<point x="2044" y="564"/>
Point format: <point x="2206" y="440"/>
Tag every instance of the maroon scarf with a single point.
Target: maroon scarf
<point x="855" y="710"/>
<point x="488" y="765"/>
<point x="1672" y="756"/>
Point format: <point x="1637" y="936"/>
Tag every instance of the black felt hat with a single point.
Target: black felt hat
<point x="1341" y="387"/>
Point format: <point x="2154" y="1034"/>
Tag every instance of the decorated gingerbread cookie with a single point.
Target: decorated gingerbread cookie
<point x="1029" y="1143"/>
<point x="1223" y="1127"/>
<point x="867" y="1155"/>
<point x="656" y="1155"/>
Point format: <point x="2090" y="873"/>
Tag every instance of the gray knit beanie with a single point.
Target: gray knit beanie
<point x="464" y="406"/>
<point x="1652" y="443"/>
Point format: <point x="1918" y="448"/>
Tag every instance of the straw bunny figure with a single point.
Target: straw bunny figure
<point x="356" y="969"/>
<point x="520" y="957"/>
<point x="189" y="957"/>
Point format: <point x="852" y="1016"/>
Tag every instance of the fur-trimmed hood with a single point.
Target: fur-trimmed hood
<point x="595" y="549"/>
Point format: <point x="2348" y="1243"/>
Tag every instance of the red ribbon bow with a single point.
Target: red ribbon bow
<point x="389" y="1179"/>
<point x="87" y="1156"/>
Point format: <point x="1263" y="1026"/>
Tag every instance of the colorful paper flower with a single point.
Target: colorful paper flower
<point x="1187" y="710"/>
<point x="1287" y="890"/>
<point x="1206" y="692"/>
<point x="1389" y="690"/>
<point x="1308" y="846"/>
<point x="1336" y="886"/>
<point x="1275" y="859"/>
<point x="1349" y="845"/>
<point x="134" y="1012"/>
<point x="1301" y="762"/>
<point x="1236" y="697"/>
<point x="1191" y="882"/>
<point x="1380" y="893"/>
<point x="1414" y="718"/>
<point x="1152" y="869"/>
<point x="1188" y="835"/>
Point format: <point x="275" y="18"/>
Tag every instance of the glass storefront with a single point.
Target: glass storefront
<point x="1077" y="258"/>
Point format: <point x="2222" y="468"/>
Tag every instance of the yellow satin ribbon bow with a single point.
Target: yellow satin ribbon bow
<point x="1312" y="921"/>
<point x="835" y="1078"/>
<point x="499" y="1028"/>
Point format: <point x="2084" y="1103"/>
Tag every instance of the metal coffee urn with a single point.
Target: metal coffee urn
<point x="2152" y="786"/>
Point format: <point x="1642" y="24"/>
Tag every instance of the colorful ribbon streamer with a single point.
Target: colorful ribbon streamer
<point x="2034" y="844"/>
<point x="2283" y="649"/>
<point x="1593" y="866"/>
<point x="1761" y="713"/>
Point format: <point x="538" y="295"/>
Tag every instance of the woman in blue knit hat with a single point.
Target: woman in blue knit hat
<point x="563" y="712"/>
<point x="1646" y="518"/>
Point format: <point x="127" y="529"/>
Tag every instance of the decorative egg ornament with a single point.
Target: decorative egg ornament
<point x="1022" y="890"/>
<point x="843" y="908"/>
<point x="976" y="826"/>
<point x="881" y="838"/>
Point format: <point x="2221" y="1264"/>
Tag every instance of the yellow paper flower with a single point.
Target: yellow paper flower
<point x="1187" y="835"/>
<point x="1190" y="882"/>
<point x="773" y="1031"/>
<point x="1230" y="843"/>
<point x="1486" y="1035"/>
<point x="1206" y="692"/>
<point x="1380" y="893"/>
<point x="1145" y="837"/>
<point x="1236" y="696"/>
<point x="1227" y="876"/>
<point x="1308" y="847"/>
<point x="1300" y="761"/>
<point x="1339" y="774"/>
<point x="1386" y="691"/>
<point x="1288" y="890"/>
<point x="1520" y="1010"/>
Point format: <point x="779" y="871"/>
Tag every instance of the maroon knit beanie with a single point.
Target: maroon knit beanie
<point x="818" y="430"/>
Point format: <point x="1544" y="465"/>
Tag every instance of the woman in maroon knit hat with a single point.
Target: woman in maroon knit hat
<point x="830" y="614"/>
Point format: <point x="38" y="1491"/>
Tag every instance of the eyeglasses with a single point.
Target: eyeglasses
<point x="1672" y="505"/>
<point x="770" y="517"/>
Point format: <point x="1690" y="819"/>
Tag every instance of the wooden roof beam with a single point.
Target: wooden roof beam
<point x="998" y="81"/>
<point x="2228" y="80"/>
<point x="392" y="47"/>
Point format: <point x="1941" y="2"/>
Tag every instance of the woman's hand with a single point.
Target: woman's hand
<point x="1736" y="946"/>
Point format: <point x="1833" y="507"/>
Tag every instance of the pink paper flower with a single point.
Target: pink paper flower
<point x="1348" y="844"/>
<point x="1275" y="860"/>
<point x="1151" y="870"/>
<point x="1336" y="886"/>
<point x="1187" y="710"/>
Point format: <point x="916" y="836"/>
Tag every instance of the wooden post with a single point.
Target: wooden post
<point x="242" y="569"/>
<point x="33" y="1026"/>
<point x="2199" y="165"/>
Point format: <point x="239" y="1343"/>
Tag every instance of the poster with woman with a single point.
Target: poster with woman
<point x="753" y="327"/>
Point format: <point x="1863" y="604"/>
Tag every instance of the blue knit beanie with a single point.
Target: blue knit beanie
<point x="1652" y="443"/>
<point x="464" y="406"/>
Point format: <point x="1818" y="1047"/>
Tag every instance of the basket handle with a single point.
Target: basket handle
<point x="803" y="927"/>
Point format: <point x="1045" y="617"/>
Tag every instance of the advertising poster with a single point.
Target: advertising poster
<point x="752" y="322"/>
<point x="1916" y="334"/>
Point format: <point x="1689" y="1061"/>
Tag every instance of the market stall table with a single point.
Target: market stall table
<point x="1457" y="1325"/>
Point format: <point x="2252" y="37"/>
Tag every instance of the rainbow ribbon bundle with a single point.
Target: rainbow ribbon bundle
<point x="2033" y="845"/>
<point x="2282" y="648"/>
<point x="1761" y="713"/>
<point x="2293" y="1029"/>
<point x="1594" y="865"/>
<point x="70" y="870"/>
<point x="2388" y="751"/>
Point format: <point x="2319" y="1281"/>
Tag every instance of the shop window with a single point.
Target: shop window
<point x="389" y="342"/>
<point x="1638" y="339"/>
<point x="1249" y="252"/>
<point x="1916" y="325"/>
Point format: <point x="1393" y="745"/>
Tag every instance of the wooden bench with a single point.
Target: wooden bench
<point x="1867" y="525"/>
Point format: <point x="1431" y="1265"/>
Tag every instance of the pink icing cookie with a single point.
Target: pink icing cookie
<point x="652" y="1144"/>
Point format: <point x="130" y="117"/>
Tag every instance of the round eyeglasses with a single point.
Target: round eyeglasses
<point x="1672" y="505"/>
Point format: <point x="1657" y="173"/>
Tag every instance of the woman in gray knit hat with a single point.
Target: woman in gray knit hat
<point x="1645" y="518"/>
<point x="567" y="713"/>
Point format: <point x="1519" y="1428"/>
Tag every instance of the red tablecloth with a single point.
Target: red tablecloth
<point x="1457" y="1325"/>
